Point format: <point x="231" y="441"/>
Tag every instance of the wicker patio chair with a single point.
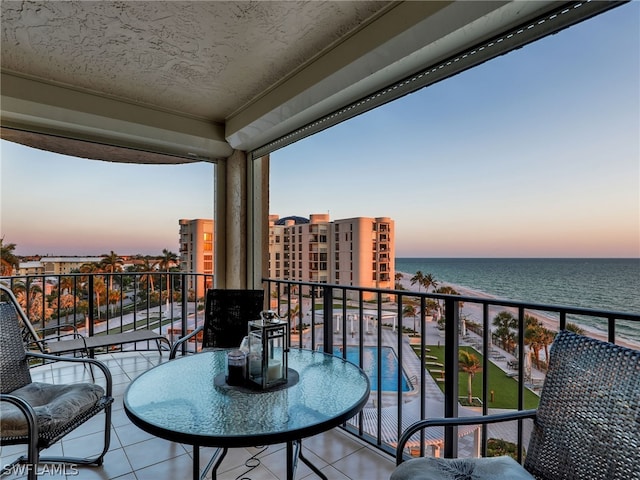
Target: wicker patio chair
<point x="587" y="425"/>
<point x="226" y="318"/>
<point x="39" y="414"/>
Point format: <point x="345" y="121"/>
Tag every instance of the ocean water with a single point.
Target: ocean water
<point x="607" y="284"/>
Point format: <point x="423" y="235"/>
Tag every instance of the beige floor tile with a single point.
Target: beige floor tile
<point x="365" y="463"/>
<point x="177" y="468"/>
<point x="153" y="451"/>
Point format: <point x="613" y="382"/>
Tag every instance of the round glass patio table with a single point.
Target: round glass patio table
<point x="183" y="401"/>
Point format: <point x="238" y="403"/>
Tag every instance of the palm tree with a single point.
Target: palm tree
<point x="418" y="278"/>
<point x="429" y="281"/>
<point x="446" y="290"/>
<point x="398" y="277"/>
<point x="111" y="263"/>
<point x="572" y="327"/>
<point x="548" y="340"/>
<point x="534" y="337"/>
<point x="32" y="301"/>
<point x="147" y="267"/>
<point x="166" y="262"/>
<point x="7" y="259"/>
<point x="89" y="268"/>
<point x="113" y="297"/>
<point x="410" y="309"/>
<point x="99" y="288"/>
<point x="66" y="285"/>
<point x="93" y="268"/>
<point x="506" y="323"/>
<point x="470" y="364"/>
<point x="66" y="302"/>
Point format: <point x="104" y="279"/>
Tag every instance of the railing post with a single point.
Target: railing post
<point x="452" y="316"/>
<point x="90" y="313"/>
<point x="327" y="327"/>
<point x="184" y="298"/>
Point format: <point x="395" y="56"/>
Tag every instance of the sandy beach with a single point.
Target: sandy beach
<point x="474" y="311"/>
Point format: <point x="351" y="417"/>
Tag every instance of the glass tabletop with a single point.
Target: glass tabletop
<point x="179" y="401"/>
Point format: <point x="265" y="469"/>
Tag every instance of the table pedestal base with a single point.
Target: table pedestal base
<point x="294" y="451"/>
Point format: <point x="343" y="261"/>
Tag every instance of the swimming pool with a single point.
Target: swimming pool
<point x="370" y="366"/>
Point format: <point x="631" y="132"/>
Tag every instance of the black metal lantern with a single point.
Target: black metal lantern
<point x="268" y="350"/>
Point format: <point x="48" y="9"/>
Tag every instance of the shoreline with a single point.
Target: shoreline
<point x="474" y="311"/>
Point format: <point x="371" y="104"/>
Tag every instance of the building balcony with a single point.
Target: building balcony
<point x="411" y="357"/>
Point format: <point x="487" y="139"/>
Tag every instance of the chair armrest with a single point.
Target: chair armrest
<point x="87" y="361"/>
<point x="444" y="422"/>
<point x="181" y="340"/>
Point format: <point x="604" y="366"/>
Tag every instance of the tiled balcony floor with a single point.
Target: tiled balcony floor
<point x="137" y="455"/>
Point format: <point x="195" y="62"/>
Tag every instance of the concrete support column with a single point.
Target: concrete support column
<point x="241" y="221"/>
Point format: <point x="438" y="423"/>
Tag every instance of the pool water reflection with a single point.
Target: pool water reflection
<point x="389" y="363"/>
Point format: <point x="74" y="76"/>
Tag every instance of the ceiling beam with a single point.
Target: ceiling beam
<point x="316" y="98"/>
<point x="58" y="111"/>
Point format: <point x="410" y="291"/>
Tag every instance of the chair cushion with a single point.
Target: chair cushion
<point x="55" y="406"/>
<point x="429" y="468"/>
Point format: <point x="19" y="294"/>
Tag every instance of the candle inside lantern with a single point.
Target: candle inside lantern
<point x="255" y="365"/>
<point x="274" y="370"/>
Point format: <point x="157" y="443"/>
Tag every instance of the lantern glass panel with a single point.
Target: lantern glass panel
<point x="268" y="348"/>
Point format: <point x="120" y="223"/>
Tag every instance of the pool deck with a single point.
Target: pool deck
<point x="433" y="395"/>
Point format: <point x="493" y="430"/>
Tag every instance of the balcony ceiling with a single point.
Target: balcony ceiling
<point x="171" y="82"/>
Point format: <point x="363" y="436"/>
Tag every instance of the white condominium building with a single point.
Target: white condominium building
<point x="196" y="252"/>
<point x="353" y="251"/>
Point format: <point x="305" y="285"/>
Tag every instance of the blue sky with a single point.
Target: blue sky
<point x="533" y="154"/>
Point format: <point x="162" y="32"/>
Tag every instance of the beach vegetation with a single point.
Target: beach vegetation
<point x="537" y="337"/>
<point x="431" y="306"/>
<point x="425" y="280"/>
<point x="411" y="310"/>
<point x="147" y="267"/>
<point x="447" y="290"/>
<point x="497" y="447"/>
<point x="429" y="281"/>
<point x="8" y="260"/>
<point x="575" y="328"/>
<point x="293" y="313"/>
<point x="168" y="262"/>
<point x="31" y="298"/>
<point x="418" y="278"/>
<point x="469" y="364"/>
<point x="506" y="323"/>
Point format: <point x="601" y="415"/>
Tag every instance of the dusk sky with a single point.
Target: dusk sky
<point x="533" y="154"/>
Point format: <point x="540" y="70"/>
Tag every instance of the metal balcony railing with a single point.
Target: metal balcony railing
<point x="94" y="303"/>
<point x="392" y="334"/>
<point x="361" y="318"/>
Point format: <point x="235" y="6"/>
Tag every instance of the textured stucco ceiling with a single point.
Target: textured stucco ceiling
<point x="176" y="81"/>
<point x="207" y="59"/>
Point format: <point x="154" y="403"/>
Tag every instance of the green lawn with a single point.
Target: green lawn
<point x="505" y="388"/>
